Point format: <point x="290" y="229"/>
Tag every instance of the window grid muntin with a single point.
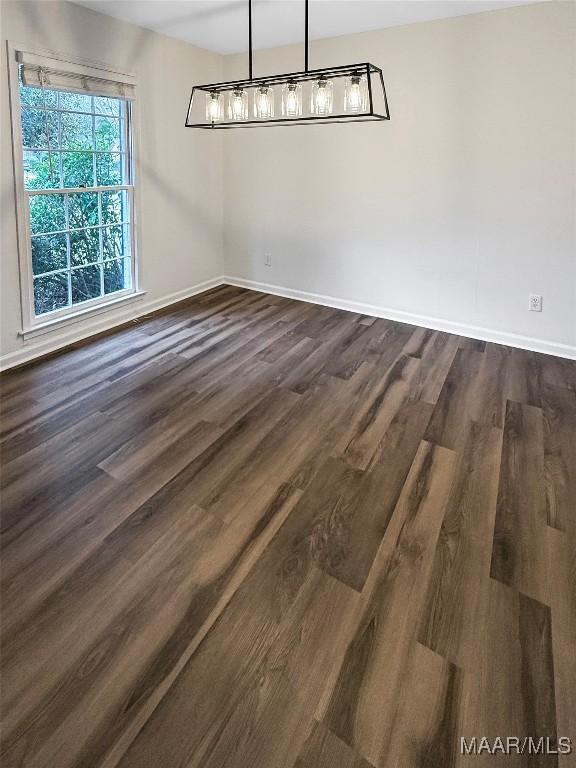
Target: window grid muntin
<point x="58" y="108"/>
<point x="73" y="268"/>
<point x="124" y="223"/>
<point x="71" y="111"/>
<point x="96" y="300"/>
<point x="99" y="203"/>
<point x="122" y="159"/>
<point x="79" y="229"/>
<point x="54" y="151"/>
<point x="120" y="116"/>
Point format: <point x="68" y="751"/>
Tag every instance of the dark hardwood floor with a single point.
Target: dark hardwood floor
<point x="257" y="533"/>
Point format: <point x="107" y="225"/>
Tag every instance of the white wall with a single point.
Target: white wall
<point x="456" y="210"/>
<point x="181" y="171"/>
<point x="449" y="215"/>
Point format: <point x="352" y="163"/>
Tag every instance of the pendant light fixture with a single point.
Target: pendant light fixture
<point x="341" y="94"/>
<point x="321" y="101"/>
<point x="264" y="102"/>
<point x="292" y="99"/>
<point x="238" y="104"/>
<point x="214" y="106"/>
<point x="356" y="93"/>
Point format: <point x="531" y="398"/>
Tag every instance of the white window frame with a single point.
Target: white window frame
<point x="32" y="323"/>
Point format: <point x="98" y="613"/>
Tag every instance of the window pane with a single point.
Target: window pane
<point x="80" y="241"/>
<point x="48" y="253"/>
<point x="77" y="102"/>
<point x="34" y="97"/>
<point x="114" y="207"/>
<point x="108" y="169"/>
<point x="76" y="131"/>
<point x="50" y="293"/>
<point x="115" y="242"/>
<point x="85" y="283"/>
<point x="41" y="171"/>
<point x="117" y="275"/>
<point x="83" y="209"/>
<point x="105" y="106"/>
<point x="108" y="136"/>
<point x="39" y="128"/>
<point x="84" y="247"/>
<point x="77" y="169"/>
<point x="47" y="213"/>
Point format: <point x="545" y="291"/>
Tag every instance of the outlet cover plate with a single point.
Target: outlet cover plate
<point x="535" y="302"/>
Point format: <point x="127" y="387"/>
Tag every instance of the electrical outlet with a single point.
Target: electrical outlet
<point x="268" y="259"/>
<point x="535" y="303"/>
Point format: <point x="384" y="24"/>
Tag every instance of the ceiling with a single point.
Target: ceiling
<point x="221" y="25"/>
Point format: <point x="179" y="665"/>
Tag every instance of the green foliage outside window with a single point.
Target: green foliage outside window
<point x="85" y="235"/>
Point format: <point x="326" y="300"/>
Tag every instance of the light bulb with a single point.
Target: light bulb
<point x="356" y="93"/>
<point x="264" y="102"/>
<point x="321" y="103"/>
<point x="354" y="96"/>
<point x="292" y="99"/>
<point x="238" y="107"/>
<point x="213" y="107"/>
<point x="291" y="103"/>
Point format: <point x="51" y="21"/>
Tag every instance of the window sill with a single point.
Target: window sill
<point x="39" y="329"/>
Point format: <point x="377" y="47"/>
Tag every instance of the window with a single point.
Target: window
<point x="78" y="199"/>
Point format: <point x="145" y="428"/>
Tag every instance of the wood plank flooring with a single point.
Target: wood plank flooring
<point x="251" y="532"/>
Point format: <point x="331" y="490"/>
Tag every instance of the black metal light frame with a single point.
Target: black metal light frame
<point x="299" y="77"/>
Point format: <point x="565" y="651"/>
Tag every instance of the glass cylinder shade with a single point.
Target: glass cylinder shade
<point x="356" y="93"/>
<point x="322" y="97"/>
<point x="264" y="102"/>
<point x="213" y="107"/>
<point x="238" y="104"/>
<point x="292" y="99"/>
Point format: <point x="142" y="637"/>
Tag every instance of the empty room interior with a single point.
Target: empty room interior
<point x="288" y="388"/>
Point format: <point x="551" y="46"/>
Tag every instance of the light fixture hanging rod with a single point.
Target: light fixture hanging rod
<point x="250" y="39"/>
<point x="306" y="36"/>
<point x="306" y="55"/>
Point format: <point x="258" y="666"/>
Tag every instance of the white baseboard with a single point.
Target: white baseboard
<point x="58" y="338"/>
<point x="436" y="324"/>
